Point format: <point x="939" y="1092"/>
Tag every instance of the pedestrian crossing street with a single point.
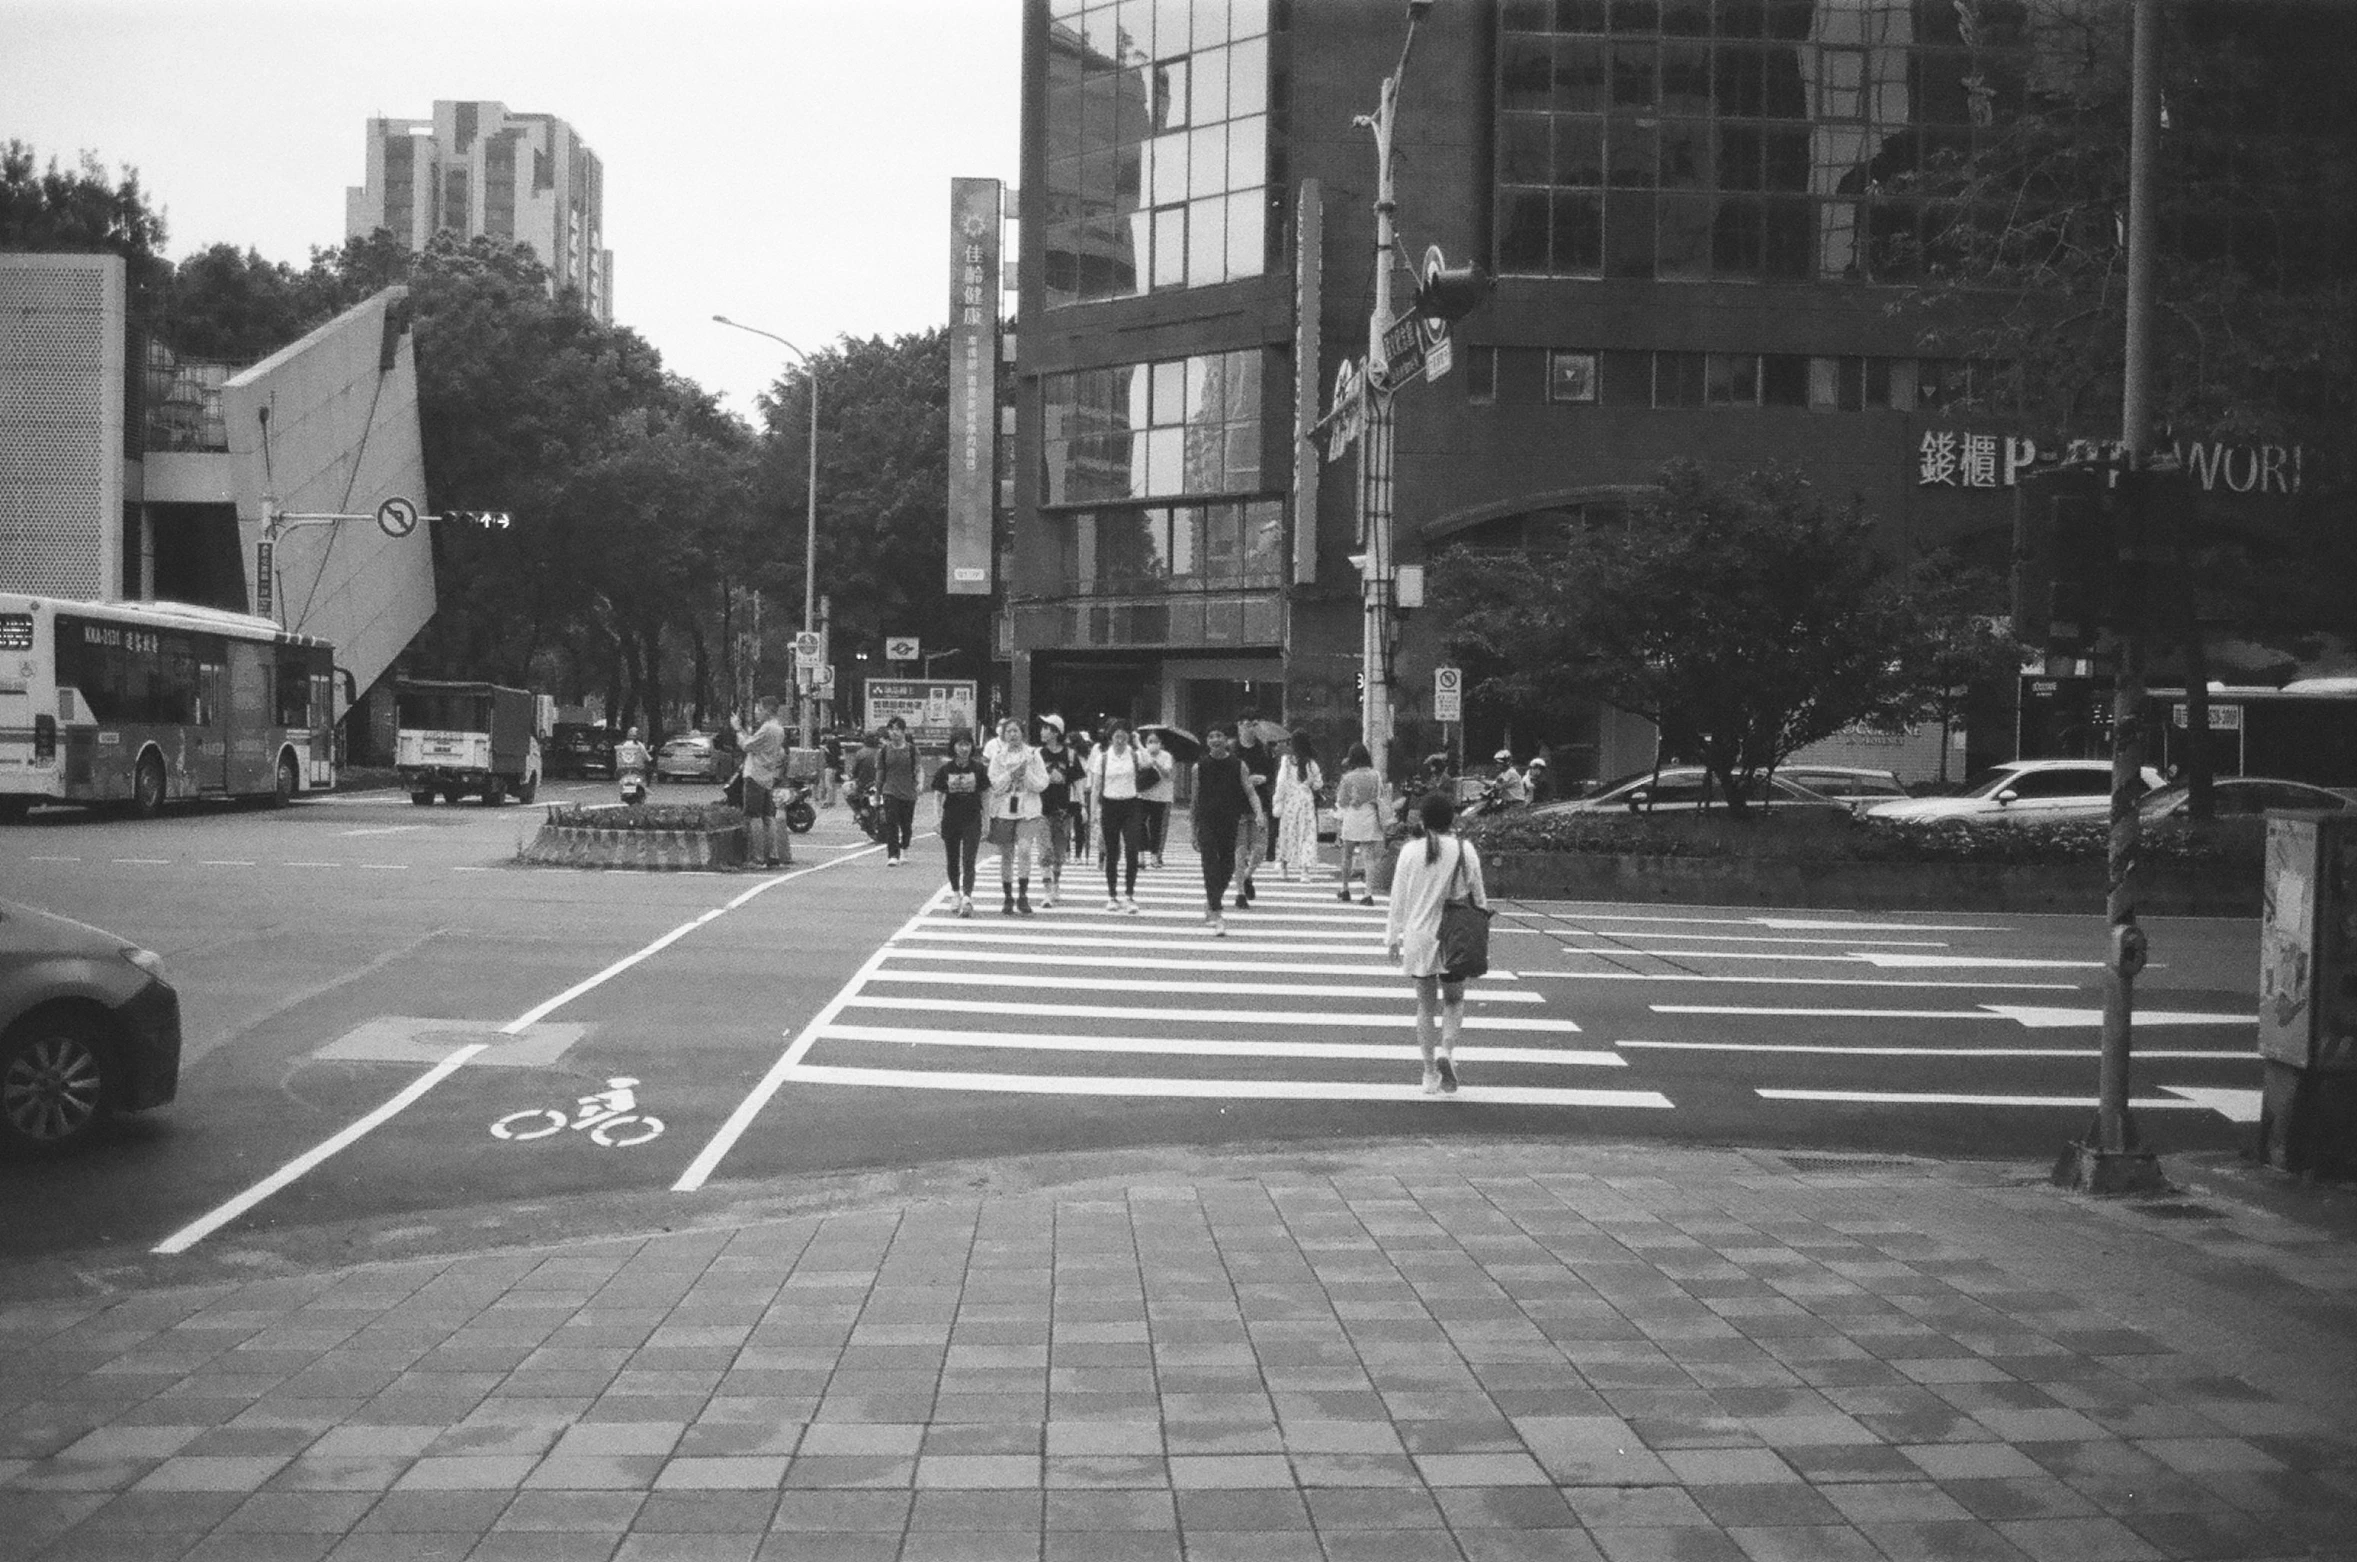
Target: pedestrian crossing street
<point x="1589" y="1009"/>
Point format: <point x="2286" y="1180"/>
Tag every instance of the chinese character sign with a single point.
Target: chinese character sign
<point x="973" y="382"/>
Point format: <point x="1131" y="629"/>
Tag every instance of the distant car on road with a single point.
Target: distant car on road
<point x="1855" y="788"/>
<point x="2021" y="791"/>
<point x="688" y="757"/>
<point x="1685" y="789"/>
<point x="88" y="1025"/>
<point x="2244" y="796"/>
<point x="581" y="749"/>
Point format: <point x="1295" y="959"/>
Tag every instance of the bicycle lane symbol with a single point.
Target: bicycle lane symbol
<point x="610" y="1116"/>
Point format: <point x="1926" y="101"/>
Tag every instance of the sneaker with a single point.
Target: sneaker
<point x="1219" y="928"/>
<point x="1448" y="1075"/>
<point x="1432" y="1082"/>
<point x="1242" y="900"/>
<point x="1366" y="900"/>
<point x="1047" y="899"/>
<point x="1130" y="905"/>
<point x="965" y="905"/>
<point x="1111" y="904"/>
<point x="1342" y="895"/>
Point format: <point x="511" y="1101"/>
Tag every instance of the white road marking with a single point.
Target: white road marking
<point x="2180" y="1054"/>
<point x="1202" y="1047"/>
<point x="935" y="932"/>
<point x="2236" y="1106"/>
<point x="1375" y="966"/>
<point x="383" y="829"/>
<point x="1261" y="924"/>
<point x="204" y="1225"/>
<point x="1620" y="952"/>
<point x="310" y="864"/>
<point x="1399" y="990"/>
<point x="717" y="1147"/>
<point x="470" y="870"/>
<point x="1167" y="1016"/>
<point x="1221" y="1089"/>
<point x="1798" y="981"/>
<point x="1937" y="1098"/>
<point x="1765" y="938"/>
<point x="1887" y="927"/>
<point x="397" y="867"/>
<point x="144" y="862"/>
<point x="2065" y="1019"/>
<point x="1827" y="1014"/>
<point x="226" y="863"/>
<point x="2031" y="1018"/>
<point x="53" y="859"/>
<point x="1992" y="962"/>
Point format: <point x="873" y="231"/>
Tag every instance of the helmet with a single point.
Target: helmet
<point x="1503" y="755"/>
<point x="1538" y="762"/>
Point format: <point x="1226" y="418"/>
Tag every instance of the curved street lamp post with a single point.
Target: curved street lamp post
<point x="808" y="699"/>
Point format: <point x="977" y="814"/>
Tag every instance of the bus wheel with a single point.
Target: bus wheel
<point x="494" y="795"/>
<point x="451" y="795"/>
<point x="421" y="798"/>
<point x="147" y="787"/>
<point x="289" y="781"/>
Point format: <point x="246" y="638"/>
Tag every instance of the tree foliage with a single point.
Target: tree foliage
<point x="1745" y="619"/>
<point x="82" y="211"/>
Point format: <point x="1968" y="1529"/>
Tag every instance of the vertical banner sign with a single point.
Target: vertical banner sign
<point x="1309" y="252"/>
<point x="265" y="566"/>
<point x="973" y="382"/>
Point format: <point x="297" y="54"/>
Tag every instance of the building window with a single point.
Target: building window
<point x="1759" y="139"/>
<point x="1481" y="374"/>
<point x="1133" y="550"/>
<point x="1571" y="376"/>
<point x="1158" y="146"/>
<point x="1150" y="430"/>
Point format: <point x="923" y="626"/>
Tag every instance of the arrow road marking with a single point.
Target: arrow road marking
<point x="2236" y="1106"/>
<point x="2055" y="1019"/>
<point x="1935" y="1098"/>
<point x="2032" y="1018"/>
<point x="2170" y="1054"/>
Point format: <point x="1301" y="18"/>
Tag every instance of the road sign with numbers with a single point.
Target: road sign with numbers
<point x="1448" y="694"/>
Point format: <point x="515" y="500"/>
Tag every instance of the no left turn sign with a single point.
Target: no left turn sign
<point x="397" y="517"/>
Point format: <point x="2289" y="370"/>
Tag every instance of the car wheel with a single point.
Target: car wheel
<point x="289" y="781"/>
<point x="451" y="795"/>
<point x="147" y="787"/>
<point x="53" y="1081"/>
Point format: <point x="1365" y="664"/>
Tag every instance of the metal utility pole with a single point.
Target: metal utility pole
<point x="2111" y="1160"/>
<point x="809" y="701"/>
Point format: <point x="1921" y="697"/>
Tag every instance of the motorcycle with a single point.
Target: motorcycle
<point x="632" y="782"/>
<point x="1492" y="799"/>
<point x="793" y="806"/>
<point x="867" y="810"/>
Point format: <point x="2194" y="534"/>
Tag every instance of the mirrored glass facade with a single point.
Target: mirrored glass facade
<point x="1157" y="146"/>
<point x="1152" y="430"/>
<point x="1748" y="139"/>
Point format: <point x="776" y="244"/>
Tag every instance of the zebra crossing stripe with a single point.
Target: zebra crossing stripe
<point x="1061" y="940"/>
<point x="1146" y="963"/>
<point x="1176" y="1046"/>
<point x="1397" y="991"/>
<point x="1334" y="925"/>
<point x="1167" y="1016"/>
<point x="1789" y="981"/>
<point x="1224" y="1089"/>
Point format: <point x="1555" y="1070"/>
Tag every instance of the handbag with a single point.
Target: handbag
<point x="1148" y="776"/>
<point x="734" y="792"/>
<point x="1002" y="832"/>
<point x="1464" y="931"/>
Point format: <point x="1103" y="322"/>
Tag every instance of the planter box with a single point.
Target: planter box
<point x="2076" y="888"/>
<point x="600" y="846"/>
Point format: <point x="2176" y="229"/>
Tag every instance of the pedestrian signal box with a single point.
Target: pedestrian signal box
<point x="2308" y="993"/>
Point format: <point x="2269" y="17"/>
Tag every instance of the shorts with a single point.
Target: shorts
<point x="760" y="801"/>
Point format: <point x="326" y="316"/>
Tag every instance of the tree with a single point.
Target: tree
<point x="80" y="212"/>
<point x="1745" y="619"/>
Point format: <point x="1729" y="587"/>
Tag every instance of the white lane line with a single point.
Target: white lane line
<point x="1823" y="924"/>
<point x="1763" y="938"/>
<point x="1399" y="990"/>
<point x="53" y="859"/>
<point x="1799" y="981"/>
<point x="1986" y="962"/>
<point x="383" y="829"/>
<point x="1365" y="962"/>
<point x="2074" y="1019"/>
<point x="1059" y="939"/>
<point x="143" y="862"/>
<point x="227" y="862"/>
<point x="1167" y="1016"/>
<point x="2030" y="1018"/>
<point x="470" y="870"/>
<point x="204" y="1225"/>
<point x="310" y="864"/>
<point x="1937" y="1098"/>
<point x="1174" y="1046"/>
<point x="1221" y="1089"/>
<point x="396" y="867"/>
<point x="2179" y="1055"/>
<point x="189" y="1235"/>
<point x="717" y="1147"/>
<point x="539" y="1012"/>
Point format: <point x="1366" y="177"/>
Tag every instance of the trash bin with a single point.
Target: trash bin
<point x="2308" y="994"/>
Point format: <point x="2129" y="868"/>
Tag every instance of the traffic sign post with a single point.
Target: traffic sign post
<point x="900" y="648"/>
<point x="1448" y="694"/>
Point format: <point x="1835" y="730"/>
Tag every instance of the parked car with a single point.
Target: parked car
<point x="688" y="757"/>
<point x="2022" y="791"/>
<point x="2243" y="796"/>
<point x="1855" y="788"/>
<point x="580" y="749"/>
<point x="88" y="1026"/>
<point x="1685" y="789"/>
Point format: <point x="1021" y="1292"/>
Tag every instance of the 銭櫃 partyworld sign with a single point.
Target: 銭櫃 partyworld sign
<point x="1958" y="458"/>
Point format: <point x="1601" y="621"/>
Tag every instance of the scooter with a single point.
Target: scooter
<point x="867" y="810"/>
<point x="633" y="783"/>
<point x="794" y="806"/>
<point x="1492" y="800"/>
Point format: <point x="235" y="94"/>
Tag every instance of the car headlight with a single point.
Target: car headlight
<point x="146" y="959"/>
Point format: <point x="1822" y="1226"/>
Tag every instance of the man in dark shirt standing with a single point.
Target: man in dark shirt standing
<point x="1225" y="801"/>
<point x="1260" y="765"/>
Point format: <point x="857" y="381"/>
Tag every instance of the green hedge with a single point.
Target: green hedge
<point x="1840" y="838"/>
<point x="648" y="816"/>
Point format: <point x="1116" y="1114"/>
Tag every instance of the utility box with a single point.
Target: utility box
<point x="2308" y="993"/>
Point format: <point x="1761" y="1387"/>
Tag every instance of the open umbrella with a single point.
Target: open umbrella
<point x="1178" y="742"/>
<point x="1270" y="732"/>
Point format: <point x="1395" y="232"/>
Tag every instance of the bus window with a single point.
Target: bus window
<point x="293" y="690"/>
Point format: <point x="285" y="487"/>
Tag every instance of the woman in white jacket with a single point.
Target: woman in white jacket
<point x="1430" y="873"/>
<point x="1017" y="827"/>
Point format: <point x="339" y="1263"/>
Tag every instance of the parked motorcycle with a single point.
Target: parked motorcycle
<point x="794" y="806"/>
<point x="867" y="809"/>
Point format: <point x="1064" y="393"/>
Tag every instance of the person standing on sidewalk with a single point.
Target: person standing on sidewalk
<point x="1299" y="781"/>
<point x="1113" y="777"/>
<point x="1154" y="801"/>
<point x="1261" y="766"/>
<point x="765" y="761"/>
<point x="1429" y="874"/>
<point x="1226" y="808"/>
<point x="1358" y="800"/>
<point x="1017" y="780"/>
<point x="1066" y="778"/>
<point x="963" y="783"/>
<point x="896" y="778"/>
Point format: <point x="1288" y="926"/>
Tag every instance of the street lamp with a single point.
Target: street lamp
<point x="810" y="529"/>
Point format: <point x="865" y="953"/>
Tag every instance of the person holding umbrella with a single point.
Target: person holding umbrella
<point x="1226" y="803"/>
<point x="1165" y="749"/>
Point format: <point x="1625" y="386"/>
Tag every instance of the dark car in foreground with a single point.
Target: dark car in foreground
<point x="88" y="1026"/>
<point x="580" y="749"/>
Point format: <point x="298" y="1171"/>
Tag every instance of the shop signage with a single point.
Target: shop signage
<point x="1961" y="458"/>
<point x="2223" y="718"/>
<point x="973" y="382"/>
<point x="932" y="707"/>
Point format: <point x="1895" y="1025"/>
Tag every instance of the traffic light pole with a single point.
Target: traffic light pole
<point x="1375" y="458"/>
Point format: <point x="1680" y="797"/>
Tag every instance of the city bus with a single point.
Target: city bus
<point x="136" y="704"/>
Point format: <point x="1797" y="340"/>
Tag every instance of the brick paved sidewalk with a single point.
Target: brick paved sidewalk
<point x="1399" y="1352"/>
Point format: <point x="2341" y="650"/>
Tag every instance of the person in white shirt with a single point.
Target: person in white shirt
<point x="765" y="763"/>
<point x="1155" y="800"/>
<point x="1430" y="873"/>
<point x="1018" y="777"/>
<point x="1113" y="777"/>
<point x="1513" y="789"/>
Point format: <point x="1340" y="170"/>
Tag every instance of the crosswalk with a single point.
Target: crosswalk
<point x="1297" y="1003"/>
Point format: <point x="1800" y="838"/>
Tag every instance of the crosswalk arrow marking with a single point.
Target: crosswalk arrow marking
<point x="2052" y="1019"/>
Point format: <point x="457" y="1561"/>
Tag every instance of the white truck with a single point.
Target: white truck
<point x="461" y="739"/>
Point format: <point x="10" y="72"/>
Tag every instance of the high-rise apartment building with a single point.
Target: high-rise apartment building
<point x="477" y="169"/>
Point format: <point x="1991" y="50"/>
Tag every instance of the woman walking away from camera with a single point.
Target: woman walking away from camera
<point x="964" y="785"/>
<point x="1299" y="780"/>
<point x="1017" y="780"/>
<point x="1358" y="798"/>
<point x="896" y="778"/>
<point x="1226" y="803"/>
<point x="1430" y="874"/>
<point x="1154" y="800"/>
<point x="1116" y="774"/>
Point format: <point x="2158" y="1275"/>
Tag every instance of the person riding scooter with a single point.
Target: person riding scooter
<point x="633" y="762"/>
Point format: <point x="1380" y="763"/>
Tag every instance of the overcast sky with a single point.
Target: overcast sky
<point x="783" y="162"/>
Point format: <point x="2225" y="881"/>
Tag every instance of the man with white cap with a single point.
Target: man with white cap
<point x="1512" y="789"/>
